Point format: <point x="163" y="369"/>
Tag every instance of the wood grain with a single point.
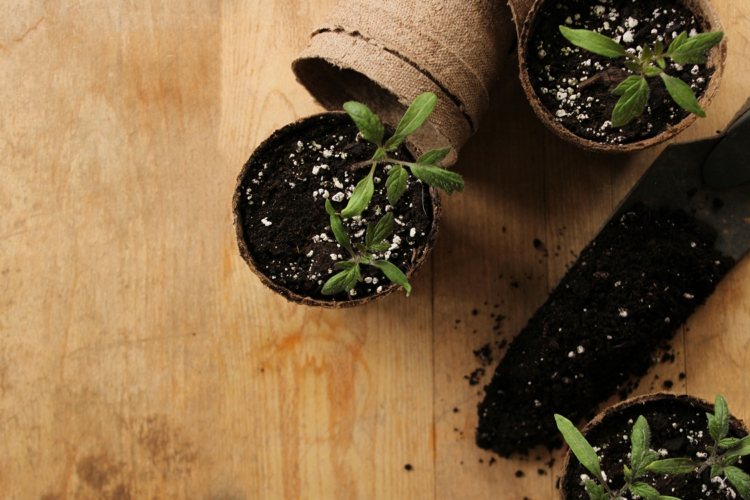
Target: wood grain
<point x="140" y="358"/>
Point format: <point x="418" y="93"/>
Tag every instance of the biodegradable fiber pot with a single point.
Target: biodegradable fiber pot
<point x="283" y="230"/>
<point x="384" y="54"/>
<point x="679" y="429"/>
<point x="531" y="56"/>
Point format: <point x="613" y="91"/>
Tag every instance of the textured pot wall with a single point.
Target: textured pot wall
<point x="388" y="53"/>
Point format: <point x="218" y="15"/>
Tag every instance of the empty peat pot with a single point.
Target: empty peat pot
<point x="570" y="89"/>
<point x="386" y="53"/>
<point x="679" y="429"/>
<point x="283" y="229"/>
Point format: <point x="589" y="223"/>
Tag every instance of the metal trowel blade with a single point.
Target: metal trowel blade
<point x="709" y="179"/>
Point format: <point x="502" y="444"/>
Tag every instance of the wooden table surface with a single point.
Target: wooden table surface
<point x="139" y="356"/>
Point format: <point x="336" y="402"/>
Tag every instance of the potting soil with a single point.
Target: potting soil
<point x="627" y="293"/>
<point x="287" y="229"/>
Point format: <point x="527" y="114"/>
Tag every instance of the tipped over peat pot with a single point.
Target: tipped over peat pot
<point x="570" y="89"/>
<point x="283" y="230"/>
<point x="678" y="428"/>
<point x="386" y="53"/>
<point x="641" y="278"/>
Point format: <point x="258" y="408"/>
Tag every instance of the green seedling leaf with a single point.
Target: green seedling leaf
<point x="329" y="208"/>
<point x="695" y="59"/>
<point x="658" y="48"/>
<point x="640" y="440"/>
<point x="345" y="264"/>
<point x="339" y="232"/>
<point x="652" y="71"/>
<point x="682" y="94"/>
<point x="367" y="122"/>
<point x="342" y="282"/>
<point x="593" y="42"/>
<point x="693" y="49"/>
<point x="627" y="473"/>
<point x="721" y="418"/>
<point x="672" y="466"/>
<point x="369" y="235"/>
<point x="439" y="177"/>
<point x="360" y="198"/>
<point x="634" y="66"/>
<point x="383" y="228"/>
<point x="380" y="247"/>
<point x="675" y="45"/>
<point x="712" y="424"/>
<point x="739" y="480"/>
<point x="393" y="273"/>
<point x="739" y="448"/>
<point x="396" y="183"/>
<point x="702" y="42"/>
<point x="647" y="53"/>
<point x="579" y="446"/>
<point x="630" y="84"/>
<point x="634" y="92"/>
<point x="716" y="470"/>
<point x="595" y="491"/>
<point x="644" y="490"/>
<point x="648" y="457"/>
<point x="640" y="469"/>
<point x="414" y="117"/>
<point x="433" y="157"/>
<point x="731" y="460"/>
<point x="661" y="63"/>
<point x="378" y="232"/>
<point x="728" y="442"/>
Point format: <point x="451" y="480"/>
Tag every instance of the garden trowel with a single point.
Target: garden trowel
<point x="709" y="179"/>
<point x="659" y="256"/>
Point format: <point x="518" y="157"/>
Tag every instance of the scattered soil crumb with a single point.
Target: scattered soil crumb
<point x="475" y="376"/>
<point x="484" y="354"/>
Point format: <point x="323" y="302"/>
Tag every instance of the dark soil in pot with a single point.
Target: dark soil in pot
<point x="639" y="280"/>
<point x="282" y="226"/>
<point x="678" y="429"/>
<point x="575" y="85"/>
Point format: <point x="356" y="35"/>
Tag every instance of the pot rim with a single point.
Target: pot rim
<point x="628" y="403"/>
<point x="716" y="60"/>
<point x="288" y="294"/>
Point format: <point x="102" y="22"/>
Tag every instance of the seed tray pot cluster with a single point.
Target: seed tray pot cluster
<point x="678" y="429"/>
<point x="570" y="89"/>
<point x="283" y="230"/>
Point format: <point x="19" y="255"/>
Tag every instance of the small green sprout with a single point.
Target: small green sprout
<point x="724" y="453"/>
<point x="375" y="241"/>
<point x="425" y="168"/>
<point x="650" y="62"/>
<point x="641" y="456"/>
